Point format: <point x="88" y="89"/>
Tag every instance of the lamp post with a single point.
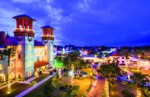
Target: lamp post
<point x="138" y="67"/>
<point x="9" y="87"/>
<point x="91" y="78"/>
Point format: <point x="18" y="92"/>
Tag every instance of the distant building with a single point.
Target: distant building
<point x="118" y="57"/>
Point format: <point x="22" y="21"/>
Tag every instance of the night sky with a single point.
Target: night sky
<point x="84" y="22"/>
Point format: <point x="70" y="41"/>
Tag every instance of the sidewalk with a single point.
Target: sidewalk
<point x="24" y="82"/>
<point x="27" y="81"/>
<point x="7" y="84"/>
<point x="35" y="86"/>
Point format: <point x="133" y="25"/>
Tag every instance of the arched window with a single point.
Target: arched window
<point x="29" y="74"/>
<point x="29" y="64"/>
<point x="2" y="78"/>
<point x="12" y="65"/>
<point x="29" y="47"/>
<point x="19" y="64"/>
<point x="1" y="68"/>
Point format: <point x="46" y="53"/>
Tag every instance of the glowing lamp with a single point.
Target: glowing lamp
<point x="70" y="73"/>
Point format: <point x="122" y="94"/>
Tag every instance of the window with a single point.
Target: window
<point x="29" y="74"/>
<point x="29" y="55"/>
<point x="29" y="63"/>
<point x="29" y="47"/>
<point x="1" y="68"/>
<point x="19" y="47"/>
<point x="1" y="57"/>
<point x="12" y="65"/>
<point x="122" y="57"/>
<point x="19" y="56"/>
<point x="38" y="59"/>
<point x="19" y="64"/>
<point x="51" y="47"/>
<point x="35" y="60"/>
<point x="45" y="47"/>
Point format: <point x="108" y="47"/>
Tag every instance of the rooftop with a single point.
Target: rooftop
<point x="40" y="63"/>
<point x="37" y="43"/>
<point x="23" y="15"/>
<point x="47" y="26"/>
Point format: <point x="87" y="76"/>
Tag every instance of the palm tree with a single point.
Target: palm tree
<point x="58" y="64"/>
<point x="139" y="80"/>
<point x="9" y="52"/>
<point x="73" y="61"/>
<point x="108" y="71"/>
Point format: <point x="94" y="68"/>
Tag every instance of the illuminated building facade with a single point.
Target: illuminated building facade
<point x="31" y="56"/>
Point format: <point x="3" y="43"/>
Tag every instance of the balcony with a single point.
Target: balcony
<point x="47" y="37"/>
<point x="23" y="32"/>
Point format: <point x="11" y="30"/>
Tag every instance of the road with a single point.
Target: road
<point x="98" y="91"/>
<point x="97" y="87"/>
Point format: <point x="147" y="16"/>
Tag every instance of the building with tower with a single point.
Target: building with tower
<point x="31" y="56"/>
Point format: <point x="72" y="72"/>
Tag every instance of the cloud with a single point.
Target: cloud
<point x="84" y="5"/>
<point x="83" y="22"/>
<point x="6" y="22"/>
<point x="26" y="1"/>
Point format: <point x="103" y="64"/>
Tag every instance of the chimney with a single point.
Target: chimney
<point x="2" y="37"/>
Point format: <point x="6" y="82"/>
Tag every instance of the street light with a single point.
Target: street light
<point x="9" y="86"/>
<point x="138" y="63"/>
<point x="91" y="75"/>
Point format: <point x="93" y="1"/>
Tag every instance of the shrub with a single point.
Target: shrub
<point x="50" y="72"/>
<point x="61" y="87"/>
<point x="127" y="93"/>
<point x="55" y="70"/>
<point x="74" y="90"/>
<point x="32" y="83"/>
<point x="21" y="79"/>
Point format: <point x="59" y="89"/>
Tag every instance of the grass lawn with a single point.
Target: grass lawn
<point x="16" y="89"/>
<point x="19" y="87"/>
<point x="41" y="77"/>
<point x="142" y="71"/>
<point x="83" y="83"/>
<point x="61" y="93"/>
<point x="87" y="70"/>
<point x="38" y="92"/>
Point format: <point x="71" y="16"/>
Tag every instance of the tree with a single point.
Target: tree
<point x="72" y="61"/>
<point x="58" y="63"/>
<point x="139" y="80"/>
<point x="9" y="52"/>
<point x="108" y="71"/>
<point x="55" y="82"/>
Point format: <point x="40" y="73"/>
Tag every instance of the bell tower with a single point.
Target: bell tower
<point x="25" y="36"/>
<point x="48" y="38"/>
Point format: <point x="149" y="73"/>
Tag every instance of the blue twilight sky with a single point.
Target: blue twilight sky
<point x="84" y="22"/>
